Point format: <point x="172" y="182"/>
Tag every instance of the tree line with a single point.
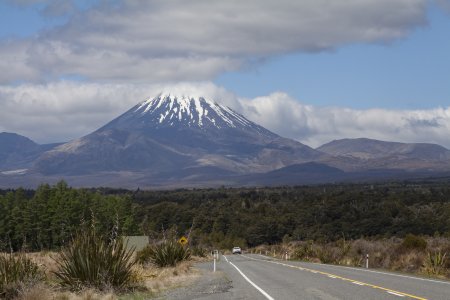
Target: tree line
<point x="226" y="217"/>
<point x="48" y="217"/>
<point x="254" y="216"/>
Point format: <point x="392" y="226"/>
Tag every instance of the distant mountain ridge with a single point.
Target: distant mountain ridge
<point x="17" y="151"/>
<point x="365" y="148"/>
<point x="374" y="154"/>
<point x="186" y="141"/>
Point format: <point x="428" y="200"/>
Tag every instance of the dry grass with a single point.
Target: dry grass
<point x="46" y="261"/>
<point x="43" y="292"/>
<point x="157" y="280"/>
<point x="36" y="292"/>
<point x="153" y="281"/>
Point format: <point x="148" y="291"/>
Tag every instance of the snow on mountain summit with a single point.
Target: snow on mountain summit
<point x="171" y="110"/>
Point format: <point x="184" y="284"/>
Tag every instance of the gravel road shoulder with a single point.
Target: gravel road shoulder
<point x="209" y="285"/>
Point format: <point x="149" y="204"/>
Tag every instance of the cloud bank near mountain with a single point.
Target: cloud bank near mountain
<point x="65" y="110"/>
<point x="315" y="125"/>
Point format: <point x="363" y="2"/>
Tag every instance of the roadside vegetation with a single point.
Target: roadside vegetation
<point x="419" y="255"/>
<point x="17" y="272"/>
<point x="95" y="266"/>
<point x="165" y="254"/>
<point x="91" y="260"/>
<point x="66" y="241"/>
<point x="147" y="282"/>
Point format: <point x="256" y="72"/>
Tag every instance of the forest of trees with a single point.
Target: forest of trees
<point x="48" y="217"/>
<point x="225" y="217"/>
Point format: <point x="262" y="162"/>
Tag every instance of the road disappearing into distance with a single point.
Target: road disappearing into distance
<point x="261" y="277"/>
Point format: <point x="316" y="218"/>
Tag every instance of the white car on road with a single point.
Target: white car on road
<point x="236" y="250"/>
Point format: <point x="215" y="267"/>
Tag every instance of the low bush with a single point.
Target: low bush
<point x="17" y="272"/>
<point x="91" y="261"/>
<point x="326" y="255"/>
<point x="413" y="242"/>
<point x="166" y="254"/>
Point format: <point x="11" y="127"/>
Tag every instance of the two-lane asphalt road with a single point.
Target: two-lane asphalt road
<point x="260" y="277"/>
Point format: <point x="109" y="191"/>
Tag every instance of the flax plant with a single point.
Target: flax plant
<point x="166" y="254"/>
<point x="91" y="261"/>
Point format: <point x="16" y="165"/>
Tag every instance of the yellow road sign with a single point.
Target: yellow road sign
<point x="183" y="240"/>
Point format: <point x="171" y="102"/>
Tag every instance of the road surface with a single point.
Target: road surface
<point x="254" y="276"/>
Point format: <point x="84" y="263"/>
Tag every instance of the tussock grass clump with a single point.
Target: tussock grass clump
<point x="91" y="261"/>
<point x="16" y="273"/>
<point x="434" y="263"/>
<point x="166" y="254"/>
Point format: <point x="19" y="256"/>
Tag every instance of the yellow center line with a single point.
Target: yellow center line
<point x="342" y="278"/>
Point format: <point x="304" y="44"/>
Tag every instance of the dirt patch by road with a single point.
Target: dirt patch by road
<point x="208" y="285"/>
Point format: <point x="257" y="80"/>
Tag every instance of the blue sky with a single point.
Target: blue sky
<point x="297" y="63"/>
<point x="410" y="73"/>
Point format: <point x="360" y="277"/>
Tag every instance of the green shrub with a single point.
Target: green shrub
<point x="166" y="254"/>
<point x="413" y="242"/>
<point x="91" y="261"/>
<point x="16" y="272"/>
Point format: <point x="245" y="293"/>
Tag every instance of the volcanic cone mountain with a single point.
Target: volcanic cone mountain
<point x="177" y="136"/>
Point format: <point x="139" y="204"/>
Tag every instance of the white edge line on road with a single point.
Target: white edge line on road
<point x="370" y="271"/>
<point x="252" y="283"/>
<point x="226" y="258"/>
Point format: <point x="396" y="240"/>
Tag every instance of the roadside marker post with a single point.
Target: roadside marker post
<point x="215" y="256"/>
<point x="367" y="261"/>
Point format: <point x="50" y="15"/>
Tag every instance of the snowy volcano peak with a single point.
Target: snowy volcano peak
<point x="171" y="110"/>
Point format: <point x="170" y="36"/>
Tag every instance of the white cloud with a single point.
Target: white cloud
<point x="143" y="41"/>
<point x="315" y="126"/>
<point x="66" y="110"/>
